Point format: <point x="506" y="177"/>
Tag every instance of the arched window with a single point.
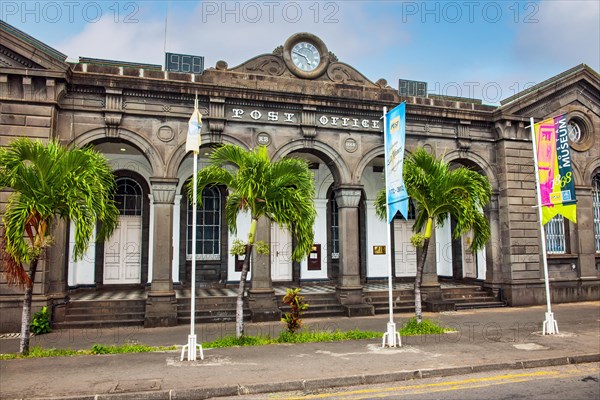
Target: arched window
<point x="555" y="229"/>
<point x="596" y="209"/>
<point x="129" y="196"/>
<point x="335" y="228"/>
<point x="208" y="226"/>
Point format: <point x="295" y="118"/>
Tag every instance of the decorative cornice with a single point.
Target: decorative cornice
<point x="348" y="197"/>
<point x="163" y="190"/>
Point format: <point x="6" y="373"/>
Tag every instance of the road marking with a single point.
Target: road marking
<point x="469" y="383"/>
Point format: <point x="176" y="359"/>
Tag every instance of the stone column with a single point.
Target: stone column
<point x="57" y="261"/>
<point x="585" y="230"/>
<point x="161" y="304"/>
<point x="430" y="286"/>
<point x="262" y="300"/>
<point x="55" y="269"/>
<point x="349" y="289"/>
<point x="493" y="274"/>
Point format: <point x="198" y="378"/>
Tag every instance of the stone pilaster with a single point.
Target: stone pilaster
<point x="161" y="305"/>
<point x="261" y="296"/>
<point x="57" y="261"/>
<point x="585" y="228"/>
<point x="430" y="284"/>
<point x="493" y="274"/>
<point x="349" y="289"/>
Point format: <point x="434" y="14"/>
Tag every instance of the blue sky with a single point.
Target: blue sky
<point x="483" y="49"/>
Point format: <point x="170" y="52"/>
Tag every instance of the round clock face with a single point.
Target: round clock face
<point x="305" y="56"/>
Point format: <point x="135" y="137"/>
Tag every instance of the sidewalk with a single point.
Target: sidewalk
<point x="486" y="339"/>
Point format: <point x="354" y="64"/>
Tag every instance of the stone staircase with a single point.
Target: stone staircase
<point x="209" y="309"/>
<point x="100" y="314"/>
<point x="319" y="305"/>
<point x="122" y="308"/>
<point x="471" y="297"/>
<point x="453" y="298"/>
<point x="403" y="301"/>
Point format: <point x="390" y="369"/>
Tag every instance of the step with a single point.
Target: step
<point x="104" y="317"/>
<point x="324" y="313"/>
<point x="487" y="304"/>
<point x="104" y="303"/>
<point x="472" y="299"/>
<point x="97" y="324"/>
<point x="105" y="310"/>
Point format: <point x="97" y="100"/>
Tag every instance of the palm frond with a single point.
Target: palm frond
<point x="50" y="180"/>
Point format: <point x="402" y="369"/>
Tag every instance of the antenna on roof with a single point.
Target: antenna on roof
<point x="166" y="23"/>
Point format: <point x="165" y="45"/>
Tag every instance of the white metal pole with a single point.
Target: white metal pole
<point x="391" y="333"/>
<point x="193" y="345"/>
<point x="550" y="326"/>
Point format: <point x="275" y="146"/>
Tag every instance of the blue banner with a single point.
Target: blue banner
<point x="395" y="127"/>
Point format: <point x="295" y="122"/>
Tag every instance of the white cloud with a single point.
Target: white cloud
<point x="566" y="32"/>
<point x="238" y="33"/>
<point x="117" y="41"/>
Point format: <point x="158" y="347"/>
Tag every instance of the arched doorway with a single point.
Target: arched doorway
<point x="405" y="254"/>
<point x="123" y="250"/>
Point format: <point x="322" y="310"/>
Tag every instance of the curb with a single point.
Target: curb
<point x="312" y="384"/>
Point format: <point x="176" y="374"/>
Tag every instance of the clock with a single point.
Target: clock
<point x="306" y="55"/>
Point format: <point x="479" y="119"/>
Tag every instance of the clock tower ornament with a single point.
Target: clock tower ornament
<point x="306" y="55"/>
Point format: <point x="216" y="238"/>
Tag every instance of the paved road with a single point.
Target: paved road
<point x="573" y="382"/>
<point x="485" y="340"/>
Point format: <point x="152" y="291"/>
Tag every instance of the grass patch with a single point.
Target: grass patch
<point x="410" y="328"/>
<point x="287" y="337"/>
<point x="37" y="352"/>
<point x="326" y="336"/>
<point x="232" y="341"/>
<point x="426" y="327"/>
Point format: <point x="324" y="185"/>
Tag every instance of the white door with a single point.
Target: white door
<point x="123" y="252"/>
<point x="404" y="252"/>
<point x="469" y="264"/>
<point x="281" y="253"/>
<point x="443" y="238"/>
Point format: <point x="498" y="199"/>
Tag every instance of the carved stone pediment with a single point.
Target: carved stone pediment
<point x="580" y="83"/>
<point x="265" y="64"/>
<point x="286" y="61"/>
<point x="343" y="73"/>
<point x="19" y="50"/>
<point x="274" y="65"/>
<point x="11" y="59"/>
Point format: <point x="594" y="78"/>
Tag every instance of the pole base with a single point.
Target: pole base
<point x="393" y="337"/>
<point x="550" y="326"/>
<point x="192" y="348"/>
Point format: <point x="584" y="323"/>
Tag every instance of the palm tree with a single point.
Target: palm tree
<point x="50" y="181"/>
<point x="437" y="191"/>
<point x="282" y="191"/>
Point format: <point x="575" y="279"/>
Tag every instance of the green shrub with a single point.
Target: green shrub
<point x="325" y="336"/>
<point x="100" y="349"/>
<point x="426" y="327"/>
<point x="40" y="322"/>
<point x="293" y="319"/>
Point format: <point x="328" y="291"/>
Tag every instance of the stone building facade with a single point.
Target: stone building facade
<point x="317" y="108"/>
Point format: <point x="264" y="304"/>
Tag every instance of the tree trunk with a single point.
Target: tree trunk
<point x="420" y="268"/>
<point x="239" y="307"/>
<point x="26" y="316"/>
<point x="419" y="279"/>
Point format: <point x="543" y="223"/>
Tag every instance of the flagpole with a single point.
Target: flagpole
<point x="550" y="326"/>
<point x="193" y="345"/>
<point x="391" y="334"/>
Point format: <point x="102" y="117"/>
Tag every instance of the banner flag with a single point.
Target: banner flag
<point x="557" y="186"/>
<point x="395" y="127"/>
<point x="193" y="140"/>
